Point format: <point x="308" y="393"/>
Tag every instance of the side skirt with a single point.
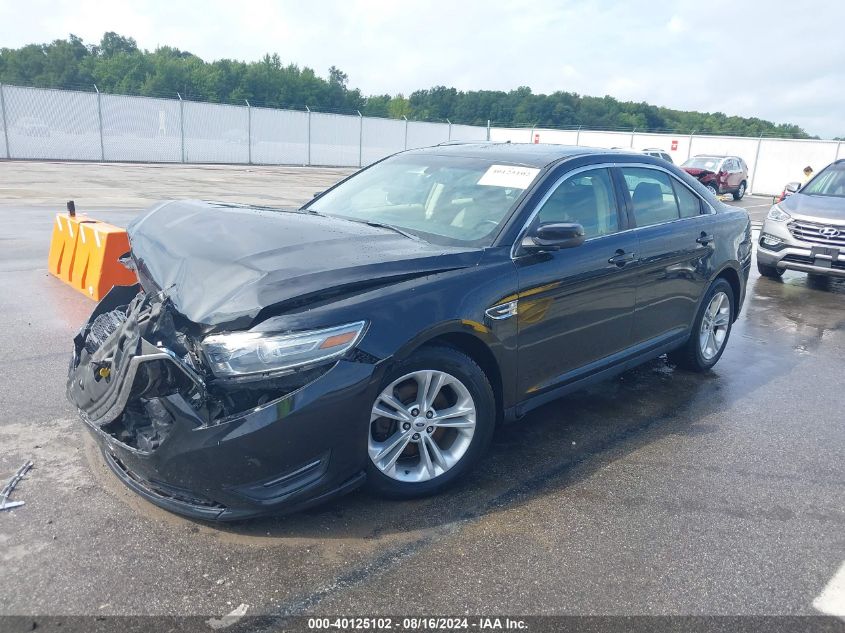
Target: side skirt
<point x="608" y="368"/>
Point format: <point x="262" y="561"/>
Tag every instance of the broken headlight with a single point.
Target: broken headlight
<point x="249" y="353"/>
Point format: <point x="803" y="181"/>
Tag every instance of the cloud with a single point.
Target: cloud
<point x="664" y="52"/>
<point x="676" y="25"/>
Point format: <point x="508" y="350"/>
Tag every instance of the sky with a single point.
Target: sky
<point x="777" y="60"/>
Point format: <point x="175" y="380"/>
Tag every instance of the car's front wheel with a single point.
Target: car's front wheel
<point x="713" y="189"/>
<point x="710" y="331"/>
<point x="430" y="423"/>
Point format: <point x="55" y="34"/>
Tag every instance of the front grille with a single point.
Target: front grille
<point x="811" y="232"/>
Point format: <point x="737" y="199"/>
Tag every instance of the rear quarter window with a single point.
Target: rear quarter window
<point x="689" y="204"/>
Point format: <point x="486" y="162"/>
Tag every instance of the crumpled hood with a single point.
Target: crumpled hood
<point x="221" y="264"/>
<point x="697" y="172"/>
<point x="815" y="207"/>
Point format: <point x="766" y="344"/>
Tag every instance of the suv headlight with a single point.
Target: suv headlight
<point x="778" y="215"/>
<point x="246" y="353"/>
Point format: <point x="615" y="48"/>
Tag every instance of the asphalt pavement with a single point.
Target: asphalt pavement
<point x="658" y="492"/>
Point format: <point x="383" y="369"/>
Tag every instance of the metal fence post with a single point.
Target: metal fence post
<point x="689" y="145"/>
<point x="449" y="136"/>
<point x="308" y="136"/>
<point x="838" y="145"/>
<point x="360" y="138"/>
<point x="634" y="131"/>
<point x="248" y="131"/>
<point x="406" y="131"/>
<point x="100" y="117"/>
<point x="182" y="124"/>
<point x="488" y="129"/>
<point x="531" y="135"/>
<point x="6" y="126"/>
<point x="756" y="160"/>
<point x="578" y="136"/>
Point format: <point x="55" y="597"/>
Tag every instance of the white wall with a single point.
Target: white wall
<point x="780" y="160"/>
<point x="784" y="161"/>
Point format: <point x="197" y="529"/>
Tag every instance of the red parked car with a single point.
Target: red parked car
<point x="720" y="174"/>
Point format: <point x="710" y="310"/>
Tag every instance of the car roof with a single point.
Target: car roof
<point x="531" y="154"/>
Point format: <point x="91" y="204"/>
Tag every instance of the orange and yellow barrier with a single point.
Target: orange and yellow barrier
<point x="84" y="254"/>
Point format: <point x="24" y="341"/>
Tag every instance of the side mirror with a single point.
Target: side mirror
<point x="554" y="236"/>
<point x="793" y="187"/>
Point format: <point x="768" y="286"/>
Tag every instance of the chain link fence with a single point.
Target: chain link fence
<point x="49" y="124"/>
<point x="39" y="123"/>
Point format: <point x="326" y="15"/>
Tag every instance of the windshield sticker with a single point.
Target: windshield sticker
<point x="508" y="176"/>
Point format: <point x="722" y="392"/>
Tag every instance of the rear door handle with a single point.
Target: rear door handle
<point x="704" y="239"/>
<point x="621" y="258"/>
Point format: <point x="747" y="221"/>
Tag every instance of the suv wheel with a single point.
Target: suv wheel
<point x="740" y="192"/>
<point x="710" y="330"/>
<point x="772" y="272"/>
<point x="431" y="422"/>
<point x="713" y="189"/>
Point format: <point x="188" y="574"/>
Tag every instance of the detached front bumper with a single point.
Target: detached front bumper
<point x="288" y="453"/>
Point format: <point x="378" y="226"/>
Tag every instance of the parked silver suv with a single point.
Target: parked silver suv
<point x="806" y="231"/>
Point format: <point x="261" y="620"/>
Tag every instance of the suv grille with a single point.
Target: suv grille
<point x="811" y="232"/>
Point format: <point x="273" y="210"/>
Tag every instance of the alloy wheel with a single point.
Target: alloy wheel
<point x="421" y="425"/>
<point x="714" y="325"/>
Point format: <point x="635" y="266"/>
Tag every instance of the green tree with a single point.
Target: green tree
<point x="117" y="65"/>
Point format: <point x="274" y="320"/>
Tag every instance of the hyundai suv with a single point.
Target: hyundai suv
<point x="806" y="231"/>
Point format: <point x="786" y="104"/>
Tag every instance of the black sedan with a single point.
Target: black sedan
<point x="270" y="359"/>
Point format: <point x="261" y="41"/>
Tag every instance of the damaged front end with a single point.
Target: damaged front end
<point x="125" y="360"/>
<point x="172" y="430"/>
<point x="135" y="352"/>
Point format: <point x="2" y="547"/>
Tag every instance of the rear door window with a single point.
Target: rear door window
<point x="652" y="195"/>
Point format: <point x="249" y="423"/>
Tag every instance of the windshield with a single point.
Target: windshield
<point x="830" y="182"/>
<point x="449" y="200"/>
<point x="710" y="163"/>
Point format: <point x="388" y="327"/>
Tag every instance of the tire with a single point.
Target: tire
<point x="772" y="272"/>
<point x="451" y="450"/>
<point x="713" y="189"/>
<point x="740" y="192"/>
<point x="691" y="355"/>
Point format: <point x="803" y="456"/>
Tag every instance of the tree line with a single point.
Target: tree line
<point x="116" y="65"/>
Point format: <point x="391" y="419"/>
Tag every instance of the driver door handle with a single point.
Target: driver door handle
<point x="621" y="258"/>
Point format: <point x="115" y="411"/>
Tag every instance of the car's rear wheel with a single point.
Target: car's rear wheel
<point x="430" y="423"/>
<point x="772" y="272"/>
<point x="713" y="189"/>
<point x="710" y="330"/>
<point x="740" y="192"/>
